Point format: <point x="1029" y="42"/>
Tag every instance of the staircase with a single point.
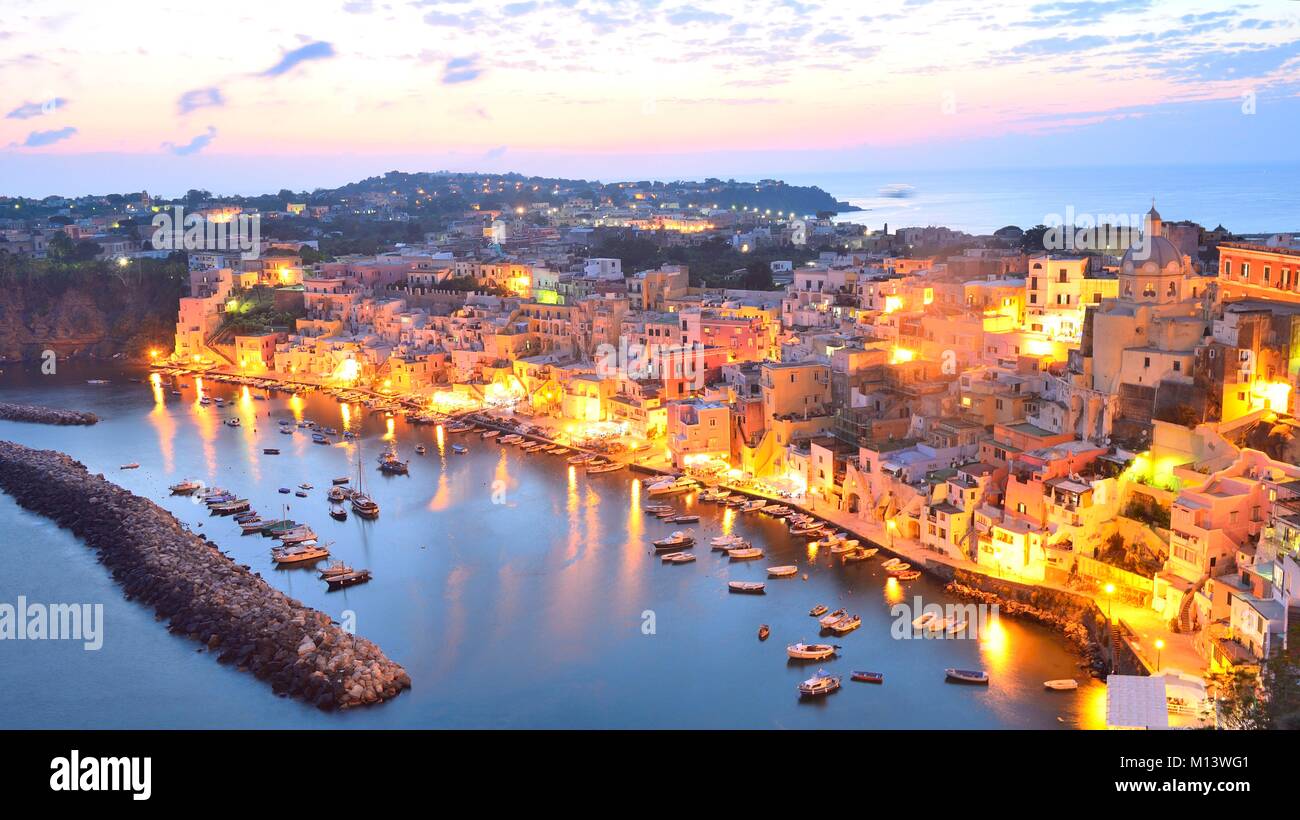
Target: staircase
<point x="221" y="344"/>
<point x="1185" y="608"/>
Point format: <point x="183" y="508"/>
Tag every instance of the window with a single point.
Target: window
<point x="1245" y="270"/>
<point x="1227" y="267"/>
<point x="1146" y="361"/>
<point x="1178" y="366"/>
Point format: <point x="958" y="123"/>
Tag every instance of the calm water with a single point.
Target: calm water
<point x="1244" y="198"/>
<point x="526" y="613"/>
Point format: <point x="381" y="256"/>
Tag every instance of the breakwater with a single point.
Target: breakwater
<point x="202" y="593"/>
<point x="44" y="415"/>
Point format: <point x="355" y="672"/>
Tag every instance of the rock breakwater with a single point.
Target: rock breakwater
<point x="200" y="592"/>
<point x="44" y="415"/>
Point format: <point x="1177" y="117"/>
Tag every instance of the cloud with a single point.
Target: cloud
<point x="318" y="50"/>
<point x="193" y="146"/>
<point x="200" y="98"/>
<point x="519" y="9"/>
<point x="1077" y="13"/>
<point x="827" y="38"/>
<point x="39" y="139"/>
<point x="687" y="15"/>
<point x="465" y="21"/>
<point x="359" y="6"/>
<point x="28" y="110"/>
<point x="461" y="70"/>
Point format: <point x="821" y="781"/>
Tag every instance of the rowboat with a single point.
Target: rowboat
<point x="187" y="486"/>
<point x="282" y="525"/>
<point x="301" y="493"/>
<point x="924" y="620"/>
<point x="490" y="434"/>
<point x="338" y="513"/>
<point x="868" y="677"/>
<point x="807" y="529"/>
<point x="967" y="675"/>
<point x="1061" y="685"/>
<point x="299" y="554"/>
<point x="955" y="626"/>
<point x="348" y="579"/>
<point x="252" y="526"/>
<point x="337" y="494"/>
<point x="684" y="519"/>
<point x="270" y="451"/>
<point x="132" y="466"/>
<point x="763" y="631"/>
<point x="727" y="541"/>
<point x="782" y="571"/>
<point x="745" y="553"/>
<point x="897" y="568"/>
<point x="820" y="609"/>
<point x="604" y="468"/>
<point x="753" y="506"/>
<point x="581" y="458"/>
<point x="857" y="555"/>
<point x="340" y="480"/>
<point x="909" y="575"/>
<point x="891" y="562"/>
<point x="420" y="449"/>
<point x="678" y="558"/>
<point x="810" y="651"/>
<point x="827" y="620"/>
<point x="844" y="546"/>
<point x="846" y="624"/>
<point x="228" y="507"/>
<point x="819" y="684"/>
<point x="750" y="587"/>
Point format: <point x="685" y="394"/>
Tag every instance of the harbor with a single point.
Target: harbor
<point x="493" y="559"/>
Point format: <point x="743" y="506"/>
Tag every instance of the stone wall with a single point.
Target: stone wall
<point x="200" y="592"/>
<point x="44" y="415"/>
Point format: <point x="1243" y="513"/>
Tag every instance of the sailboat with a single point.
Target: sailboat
<point x="362" y="504"/>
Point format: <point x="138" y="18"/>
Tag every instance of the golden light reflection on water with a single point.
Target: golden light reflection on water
<point x="198" y="389"/>
<point x="635" y="524"/>
<point x="345" y="410"/>
<point x="1092" y="706"/>
<point x="247" y="409"/>
<point x="295" y="406"/>
<point x="813" y="546"/>
<point x="389" y="429"/>
<point x="440" y="436"/>
<point x="995" y="645"/>
<point x="163" y="423"/>
<point x="894" y="592"/>
<point x="728" y="519"/>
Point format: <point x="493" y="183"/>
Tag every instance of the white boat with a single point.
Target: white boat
<point x="132" y="466"/>
<point x="677" y="539"/>
<point x="751" y="587"/>
<point x="1061" y="685"/>
<point x="297" y="535"/>
<point x="745" y="553"/>
<point x="187" y="486"/>
<point x="957" y="625"/>
<point x="819" y="684"/>
<point x="603" y="468"/>
<point x="783" y="571"/>
<point x="924" y="620"/>
<point x="677" y="558"/>
<point x="967" y="675"/>
<point x="727" y="540"/>
<point x="891" y="562"/>
<point x="753" y="506"/>
<point x="810" y="651"/>
<point x="827" y="620"/>
<point x="841" y="547"/>
<point x="846" y="624"/>
<point x="490" y="434"/>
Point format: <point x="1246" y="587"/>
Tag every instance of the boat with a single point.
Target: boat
<point x="678" y="558"/>
<point x="820" y="609"/>
<point x="348" y="579"/>
<point x="827" y="620"/>
<point x="340" y="480"/>
<point x="807" y="529"/>
<point x="782" y="571"/>
<point x="337" y="494"/>
<point x="420" y="449"/>
<point x="338" y="513"/>
<point x="299" y="553"/>
<point x="459" y="449"/>
<point x="391" y="466"/>
<point x="868" y="677"/>
<point x="1061" y="685"/>
<point x="897" y="568"/>
<point x="285" y="491"/>
<point x="132" y="466"/>
<point x="288" y="431"/>
<point x="186" y="487"/>
<point x="924" y="620"/>
<point x="270" y="451"/>
<point x="819" y="684"/>
<point x="362" y="504"/>
<point x="744" y="553"/>
<point x="763" y="631"/>
<point x="297" y="535"/>
<point x="967" y="675"/>
<point x="581" y="458"/>
<point x="281" y="525"/>
<point x="857" y="555"/>
<point x="810" y="651"/>
<point x="891" y="562"/>
<point x="228" y="507"/>
<point x="841" y="547"/>
<point x="909" y="575"/>
<point x="335" y="568"/>
<point x="487" y="434"/>
<point x="251" y="526"/>
<point x="846" y="624"/>
<point x="755" y="505"/>
<point x="301" y="493"/>
<point x="603" y="468"/>
<point x="955" y="626"/>
<point x="232" y="422"/>
<point x="657" y="508"/>
<point x="684" y="519"/>
<point x="674" y="541"/>
<point x="750" y="587"/>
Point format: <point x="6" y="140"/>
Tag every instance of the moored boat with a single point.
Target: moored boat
<point x="846" y="624"/>
<point x="745" y="553"/>
<point x="909" y="575"/>
<point x="348" y="579"/>
<point x="763" y="631"/>
<point x="819" y="684"/>
<point x="810" y="651"/>
<point x="338" y="513"/>
<point x="674" y="541"/>
<point x="820" y="609"/>
<point x="967" y="675"/>
<point x="750" y="587"/>
<point x="868" y="677"/>
<point x="1061" y="685"/>
<point x="827" y="620"/>
<point x="186" y="487"/>
<point x="299" y="553"/>
<point x="782" y="571"/>
<point x="677" y="558"/>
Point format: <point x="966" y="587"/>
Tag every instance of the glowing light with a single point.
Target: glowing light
<point x="893" y="303"/>
<point x="1274" y="396"/>
<point x="927" y="296"/>
<point x="900" y="355"/>
<point x="346" y="371"/>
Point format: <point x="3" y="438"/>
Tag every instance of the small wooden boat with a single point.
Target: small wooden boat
<point x="782" y="571"/>
<point x="891" y="562"/>
<point x="856" y="555"/>
<point x="338" y="513"/>
<point x="909" y="575"/>
<point x="684" y="519"/>
<point x="897" y="568"/>
<point x="820" y="609"/>
<point x="657" y="508"/>
<point x="750" y="587"/>
<point x="677" y="558"/>
<point x="727" y="541"/>
<point x="299" y="554"/>
<point x="420" y="449"/>
<point x="337" y="494"/>
<point x="490" y="434"/>
<point x="956" y="625"/>
<point x="297" y="535"/>
<point x="581" y="458"/>
<point x="1061" y="685"/>
<point x="827" y="620"/>
<point x="186" y="487"/>
<point x="745" y="553"/>
<point x="270" y="451"/>
<point x="755" y="505"/>
<point x="604" y="468"/>
<point x="278" y="526"/>
<point x="132" y="466"/>
<point x="229" y="507"/>
<point x="819" y="684"/>
<point x="340" y="480"/>
<point x="348" y="579"/>
<point x="967" y="675"/>
<point x="868" y="677"/>
<point x="846" y="624"/>
<point x="810" y="651"/>
<point x="252" y="526"/>
<point x="763" y="631"/>
<point x="301" y="493"/>
<point x="924" y="620"/>
<point x="459" y="449"/>
<point x="676" y="540"/>
<point x="285" y="490"/>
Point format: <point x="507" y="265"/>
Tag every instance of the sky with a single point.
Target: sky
<point x="249" y="97"/>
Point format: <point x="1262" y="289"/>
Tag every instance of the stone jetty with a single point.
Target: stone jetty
<point x="44" y="415"/>
<point x="200" y="592"/>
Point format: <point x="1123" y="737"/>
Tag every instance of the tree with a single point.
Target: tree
<point x="1032" y="241"/>
<point x="1269" y="700"/>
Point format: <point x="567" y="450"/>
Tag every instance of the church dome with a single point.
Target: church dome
<point x="1156" y="256"/>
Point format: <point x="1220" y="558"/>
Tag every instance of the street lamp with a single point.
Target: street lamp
<point x="1159" y="646"/>
<point x="1110" y="597"/>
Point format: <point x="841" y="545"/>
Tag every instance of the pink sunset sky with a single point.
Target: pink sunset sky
<point x="247" y="96"/>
